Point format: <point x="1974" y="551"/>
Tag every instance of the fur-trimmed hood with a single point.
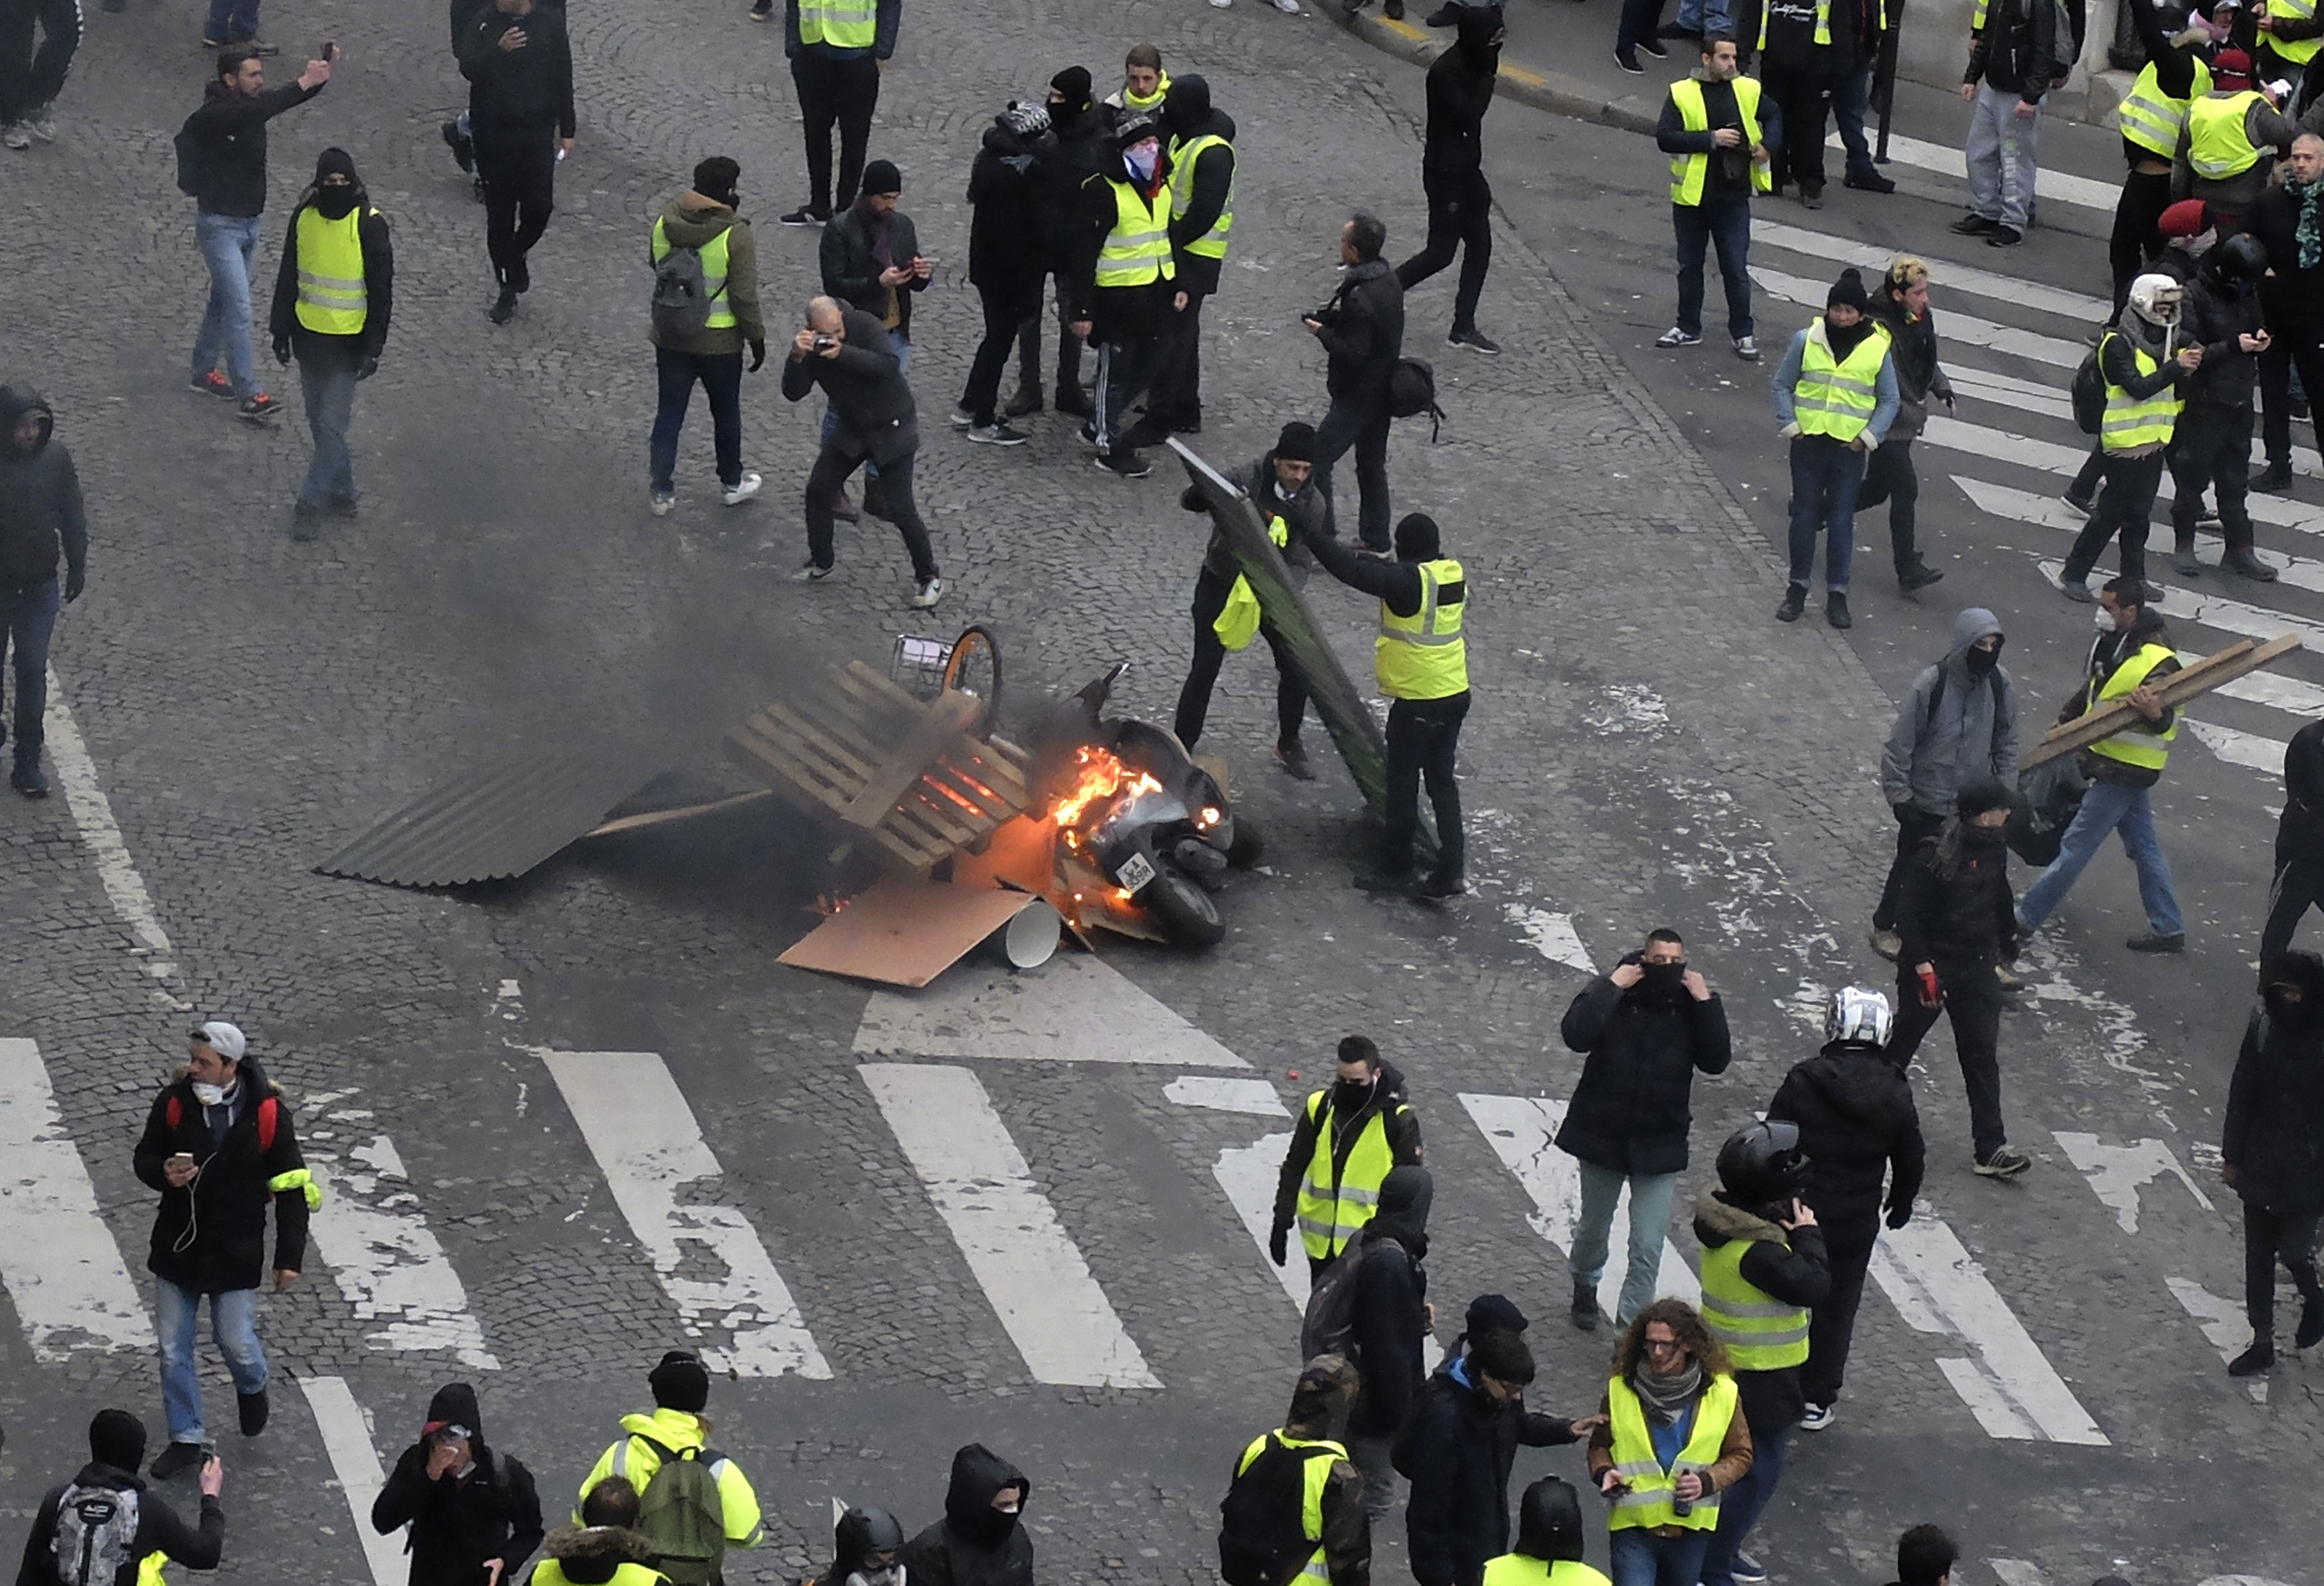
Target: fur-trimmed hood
<point x="591" y="1553"/>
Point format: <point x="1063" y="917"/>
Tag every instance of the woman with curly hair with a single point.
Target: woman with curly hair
<point x="1673" y="1442"/>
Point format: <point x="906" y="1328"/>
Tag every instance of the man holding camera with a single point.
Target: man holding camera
<point x="474" y="1513"/>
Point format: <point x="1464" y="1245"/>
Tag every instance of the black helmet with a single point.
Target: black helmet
<point x="861" y="1532"/>
<point x="1549" y="1521"/>
<point x="2240" y="261"/>
<point x="1762" y="1163"/>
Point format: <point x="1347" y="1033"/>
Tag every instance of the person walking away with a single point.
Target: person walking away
<point x="1902" y="307"/>
<point x="847" y="352"/>
<point x="2152" y="117"/>
<point x="29" y="82"/>
<point x="2299" y="882"/>
<point x="1389" y="1320"/>
<point x="106" y="1528"/>
<point x="1717" y="127"/>
<point x="1835" y="398"/>
<point x="1081" y="150"/>
<point x="705" y="220"/>
<point x="222" y="162"/>
<point x="869" y="259"/>
<point x="2272" y="1150"/>
<point x="865" y="1543"/>
<point x="519" y="64"/>
<point x="2220" y="154"/>
<point x="2146" y="365"/>
<point x="1959" y="721"/>
<point x="1202" y="219"/>
<point x="981" y="1539"/>
<point x="1361" y="331"/>
<point x="1804" y="45"/>
<point x="2011" y="59"/>
<point x="1549" y="1542"/>
<point x="1348" y="1139"/>
<point x="1294" y="1508"/>
<point x="1646" y="1028"/>
<point x="1673" y="1445"/>
<point x="1851" y="97"/>
<point x="1763" y="1269"/>
<point x="1006" y="263"/>
<point x="606" y="1548"/>
<point x="694" y="1502"/>
<point x="41" y="520"/>
<point x="1453" y="169"/>
<point x="2210" y="449"/>
<point x="1854" y="1110"/>
<point x="835" y="48"/>
<point x="220" y="1146"/>
<point x="473" y="1512"/>
<point x="1421" y="662"/>
<point x="334" y="295"/>
<point x="1124" y="287"/>
<point x="1282" y="486"/>
<point x="1925" y="1556"/>
<point x="2288" y="219"/>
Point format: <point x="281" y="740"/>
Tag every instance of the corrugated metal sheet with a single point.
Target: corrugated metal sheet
<point x="498" y="821"/>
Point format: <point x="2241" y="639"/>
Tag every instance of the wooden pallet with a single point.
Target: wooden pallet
<point x="860" y="752"/>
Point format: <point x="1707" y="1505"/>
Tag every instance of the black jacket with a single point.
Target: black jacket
<point x="974" y="1545"/>
<point x="1913" y="353"/>
<point x="1459" y="91"/>
<point x="1006" y="252"/>
<point x="1396" y="584"/>
<point x="867" y="390"/>
<point x="1857" y="1122"/>
<point x="1306" y="513"/>
<point x="1117" y="314"/>
<point x="41" y="512"/>
<point x="2107" y="652"/>
<point x="227" y="1248"/>
<point x="852" y="274"/>
<point x="523" y="90"/>
<point x="232" y="133"/>
<point x="158" y="1530"/>
<point x="2017" y="49"/>
<point x="1363" y="330"/>
<point x="2216" y="316"/>
<point x="1458" y="1450"/>
<point x="1791" y="1268"/>
<point x="2290" y="294"/>
<point x="489" y="1511"/>
<point x="1630" y="1111"/>
<point x="1189" y="114"/>
<point x="1955" y="905"/>
<point x="1790" y="36"/>
<point x="379" y="289"/>
<point x="2274" y="1133"/>
<point x="1387" y="1099"/>
<point x="1387" y="1323"/>
<point x="1080" y="150"/>
<point x="2299" y="830"/>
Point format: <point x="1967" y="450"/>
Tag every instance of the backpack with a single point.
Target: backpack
<point x="97" y="1535"/>
<point x="1411" y="391"/>
<point x="270" y="1118"/>
<point x="681" y="295"/>
<point x="682" y="1514"/>
<point x="1937" y="694"/>
<point x="1262" y="1538"/>
<point x="2090" y="390"/>
<point x="1330" y="1326"/>
<point x="193" y="160"/>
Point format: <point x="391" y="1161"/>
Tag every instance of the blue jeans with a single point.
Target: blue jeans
<point x="1641" y="1558"/>
<point x="720" y="375"/>
<point x="1705" y="16"/>
<point x="1650" y="1210"/>
<point x="326" y="379"/>
<point x="27" y="616"/>
<point x="1850" y="102"/>
<point x="234" y="1325"/>
<point x="227" y="243"/>
<point x="1721" y="221"/>
<point x="233" y="21"/>
<point x="830" y="420"/>
<point x="1825" y="476"/>
<point x="1741" y="1504"/>
<point x="2109" y="806"/>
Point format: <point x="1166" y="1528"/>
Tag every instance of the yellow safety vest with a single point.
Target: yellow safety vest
<point x="2130" y="422"/>
<point x="1424" y="656"/>
<point x="1838" y="397"/>
<point x="1148" y="104"/>
<point x="713" y="275"/>
<point x="2152" y="118"/>
<point x="2148" y="751"/>
<point x="1689" y="172"/>
<point x="2298" y="50"/>
<point x="1761" y="1333"/>
<point x="1137" y="251"/>
<point x="331" y="297"/>
<point x="1650" y="1488"/>
<point x="1212" y="243"/>
<point x="1331" y="1213"/>
<point x="843" y="25"/>
<point x="2218" y="146"/>
<point x="550" y="1572"/>
<point x="1315" y="1474"/>
<point x="1823" y="22"/>
<point x="1518" y="1569"/>
<point x="1237" y="624"/>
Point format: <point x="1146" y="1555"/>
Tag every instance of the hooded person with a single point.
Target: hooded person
<point x="474" y="1513"/>
<point x="333" y="298"/>
<point x="705" y="219"/>
<point x="2210" y="450"/>
<point x="1549" y="1541"/>
<point x="1006" y="261"/>
<point x="864" y="1544"/>
<point x="107" y="1510"/>
<point x="41" y="520"/>
<point x="1835" y="395"/>
<point x="1460" y="88"/>
<point x="1268" y="1530"/>
<point x="2272" y="1150"/>
<point x="981" y="1540"/>
<point x="1389" y="1320"/>
<point x="678" y="1429"/>
<point x="606" y="1549"/>
<point x="1202" y="219"/>
<point x="1079" y="144"/>
<point x="1350" y="1135"/>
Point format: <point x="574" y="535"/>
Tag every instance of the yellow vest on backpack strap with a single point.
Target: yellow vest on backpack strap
<point x="1333" y="1210"/>
<point x="1823" y="22"/>
<point x="2298" y="50"/>
<point x="2148" y="751"/>
<point x="1424" y="656"/>
<point x="1689" y="173"/>
<point x="2218" y="146"/>
<point x="1137" y="251"/>
<point x="1761" y="1333"/>
<point x="843" y="25"/>
<point x="715" y="253"/>
<point x="1646" y="1502"/>
<point x="1212" y="243"/>
<point x="2152" y="118"/>
<point x="1317" y="1457"/>
<point x="2130" y="421"/>
<point x="332" y="300"/>
<point x="1518" y="1569"/>
<point x="1839" y="397"/>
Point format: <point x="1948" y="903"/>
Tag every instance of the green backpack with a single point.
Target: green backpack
<point x="682" y="1514"/>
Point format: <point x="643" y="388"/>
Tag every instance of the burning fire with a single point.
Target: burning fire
<point x="1099" y="774"/>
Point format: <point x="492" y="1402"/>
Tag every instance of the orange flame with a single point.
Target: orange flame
<point x="1100" y="773"/>
<point x="827" y="904"/>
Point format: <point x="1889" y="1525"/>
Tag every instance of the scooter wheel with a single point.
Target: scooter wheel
<point x="1188" y="916"/>
<point x="1246" y="850"/>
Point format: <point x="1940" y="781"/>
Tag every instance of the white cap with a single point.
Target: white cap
<point x="225" y="1039"/>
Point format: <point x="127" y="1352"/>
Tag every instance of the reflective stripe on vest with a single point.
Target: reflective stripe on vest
<point x="1315" y="1476"/>
<point x="1518" y="1569"/>
<point x="2148" y="751"/>
<point x="1689" y="173"/>
<point x="2130" y="422"/>
<point x="1424" y="656"/>
<point x="1137" y="251"/>
<point x="1333" y="1212"/>
<point x="843" y="25"/>
<point x="1838" y="398"/>
<point x="1650" y="1488"/>
<point x="1761" y="1333"/>
<point x="1823" y="22"/>
<point x="2298" y="50"/>
<point x="331" y="297"/>
<point x="2152" y="118"/>
<point x="713" y="275"/>
<point x="2218" y="146"/>
<point x="1212" y="243"/>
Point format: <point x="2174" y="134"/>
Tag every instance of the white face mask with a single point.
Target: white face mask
<point x="208" y="1095"/>
<point x="2102" y="619"/>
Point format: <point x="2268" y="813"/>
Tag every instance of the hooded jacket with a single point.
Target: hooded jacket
<point x="1857" y="1122"/>
<point x="1631" y="1110"/>
<point x="225" y="1245"/>
<point x="1387" y="1099"/>
<point x="1459" y="91"/>
<point x="1363" y="331"/>
<point x="1306" y="513"/>
<point x="1458" y="1450"/>
<point x="518" y="92"/>
<point x="1189" y="114"/>
<point x="1389" y="1319"/>
<point x="1007" y="251"/>
<point x="850" y="269"/>
<point x="232" y="133"/>
<point x="592" y="1555"/>
<point x="1080" y="149"/>
<point x="41" y="515"/>
<point x="692" y="220"/>
<point x="1952" y="726"/>
<point x="159" y="1529"/>
<point x="1954" y="908"/>
<point x="868" y="392"/>
<point x="1789" y="1267"/>
<point x="851" y="1538"/>
<point x="490" y="1511"/>
<point x="2273" y="1136"/>
<point x="974" y="1545"/>
<point x="1319" y="1409"/>
<point x="379" y="285"/>
<point x="2108" y="651"/>
<point x="2299" y="830"/>
<point x="2216" y="314"/>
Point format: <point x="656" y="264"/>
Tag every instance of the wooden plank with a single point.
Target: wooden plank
<point x="862" y="752"/>
<point x="815" y="758"/>
<point x="985" y="798"/>
<point x="2188" y="683"/>
<point x="777" y="761"/>
<point x="662" y="817"/>
<point x="869" y="698"/>
<point x="939" y="723"/>
<point x="847" y="769"/>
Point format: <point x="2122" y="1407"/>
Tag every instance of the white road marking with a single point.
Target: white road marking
<point x="2008" y="1385"/>
<point x="2016" y="1571"/>
<point x="1075" y="1008"/>
<point x="651" y="1151"/>
<point x="2182" y="604"/>
<point x="71" y="1289"/>
<point x="92" y="813"/>
<point x="1026" y="1264"/>
<point x="1553" y="936"/>
<point x="1521" y="1131"/>
<point x="347" y="1438"/>
<point x="2047" y="511"/>
<point x="1945" y="275"/>
<point x="1247" y="1174"/>
<point x="2249" y="750"/>
<point x="2050" y="187"/>
<point x="2115" y="1172"/>
<point x="2222" y="1323"/>
<point x="2026" y="396"/>
<point x="1965" y="329"/>
<point x="1224" y="1094"/>
<point x="2002" y="446"/>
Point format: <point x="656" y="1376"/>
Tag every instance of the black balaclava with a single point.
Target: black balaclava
<point x="1473" y="30"/>
<point x="1980" y="661"/>
<point x="337" y="203"/>
<point x="117" y="1438"/>
<point x="2305" y="971"/>
<point x="1072" y="85"/>
<point x="1976" y="796"/>
<point x="1847" y="291"/>
<point x="1416" y="538"/>
<point x="1665" y="980"/>
<point x="1186" y="106"/>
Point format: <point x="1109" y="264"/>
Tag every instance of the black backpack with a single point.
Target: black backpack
<point x="1262" y="1536"/>
<point x="681" y="295"/>
<point x="1411" y="391"/>
<point x="193" y="160"/>
<point x="1329" y="1326"/>
<point x="2090" y="390"/>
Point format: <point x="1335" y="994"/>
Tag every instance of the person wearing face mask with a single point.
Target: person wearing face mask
<point x="1549" y="1542"/>
<point x="981" y="1540"/>
<point x="1453" y="169"/>
<point x="1673" y="1445"/>
<point x="1648" y="1027"/>
<point x="2212" y="446"/>
<point x="1295" y="1509"/>
<point x="1124" y="287"/>
<point x="1077" y="149"/>
<point x="220" y="1146"/>
<point x="2146" y="364"/>
<point x="2272" y="1151"/>
<point x="671" y="1445"/>
<point x="2188" y="234"/>
<point x="333" y="296"/>
<point x="1348" y="1136"/>
<point x="1202" y="219"/>
<point x="2298" y="881"/>
<point x="474" y="1512"/>
<point x="1835" y="398"/>
<point x="865" y="1543"/>
<point x="1902" y="307"/>
<point x="606" y="1549"/>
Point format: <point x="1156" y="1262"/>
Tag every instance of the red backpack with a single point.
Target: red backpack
<point x="270" y="1115"/>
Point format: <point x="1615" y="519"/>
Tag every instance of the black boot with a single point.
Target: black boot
<point x="252" y="1407"/>
<point x="2254" y="1360"/>
<point x="1585" y="1307"/>
<point x="2312" y="1323"/>
<point x="1796" y="601"/>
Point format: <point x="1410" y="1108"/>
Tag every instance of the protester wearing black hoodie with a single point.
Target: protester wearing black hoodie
<point x="311" y="313"/>
<point x="1458" y="1449"/>
<point x="2272" y="1150"/>
<point x="863" y="1542"/>
<point x="1549" y="1534"/>
<point x="117" y="1447"/>
<point x="1202" y="199"/>
<point x="981" y="1540"/>
<point x="41" y="518"/>
<point x="2299" y="883"/>
<point x="1081" y="142"/>
<point x="1453" y="169"/>
<point x="1006" y="262"/>
<point x="1389" y="1322"/>
<point x="474" y="1515"/>
<point x="519" y="64"/>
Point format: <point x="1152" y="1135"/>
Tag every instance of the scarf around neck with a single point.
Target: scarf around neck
<point x="1665" y="1398"/>
<point x="2310" y="233"/>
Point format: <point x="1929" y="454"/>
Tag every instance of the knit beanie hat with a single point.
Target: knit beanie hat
<point x="2187" y="217"/>
<point x="2231" y="69"/>
<point x="682" y="1382"/>
<point x="1025" y="118"/>
<point x="882" y="177"/>
<point x="1848" y="291"/>
<point x="1296" y="444"/>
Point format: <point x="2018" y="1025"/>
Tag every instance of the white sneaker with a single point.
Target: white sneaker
<point x="1746" y="349"/>
<point x="928" y="594"/>
<point x="17" y="137"/>
<point x="1289" y="8"/>
<point x="811" y="574"/>
<point x="1221" y="4"/>
<point x="741" y="491"/>
<point x="962" y="419"/>
<point x="1816" y="1418"/>
<point x="1675" y="337"/>
<point x="42" y="120"/>
<point x="661" y="504"/>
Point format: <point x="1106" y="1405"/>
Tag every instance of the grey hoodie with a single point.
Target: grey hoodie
<point x="1971" y="729"/>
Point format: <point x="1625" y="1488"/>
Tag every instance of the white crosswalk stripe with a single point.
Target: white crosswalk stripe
<point x="2050" y="187"/>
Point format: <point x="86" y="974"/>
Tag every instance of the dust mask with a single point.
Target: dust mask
<point x="2102" y="619"/>
<point x="208" y="1095"/>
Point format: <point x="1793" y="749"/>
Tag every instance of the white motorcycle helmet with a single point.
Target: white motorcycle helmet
<point x="2154" y="298"/>
<point x="1857" y="1016"/>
